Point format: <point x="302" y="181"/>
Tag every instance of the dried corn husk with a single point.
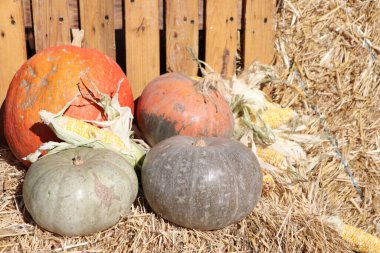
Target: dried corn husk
<point x="118" y="126"/>
<point x="273" y="128"/>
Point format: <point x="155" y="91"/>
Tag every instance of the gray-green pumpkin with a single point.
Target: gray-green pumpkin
<point x="79" y="191"/>
<point x="204" y="184"/>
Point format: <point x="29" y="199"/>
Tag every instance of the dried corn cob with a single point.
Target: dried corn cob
<point x="360" y="240"/>
<point x="89" y="131"/>
<point x="268" y="183"/>
<point x="272" y="157"/>
<point x="277" y="116"/>
<point x="76" y="132"/>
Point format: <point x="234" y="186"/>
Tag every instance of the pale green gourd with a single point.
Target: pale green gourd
<point x="79" y="191"/>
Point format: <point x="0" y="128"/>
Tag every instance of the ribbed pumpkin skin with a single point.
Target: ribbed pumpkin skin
<point x="171" y="105"/>
<point x="75" y="200"/>
<point x="48" y="80"/>
<point x="202" y="188"/>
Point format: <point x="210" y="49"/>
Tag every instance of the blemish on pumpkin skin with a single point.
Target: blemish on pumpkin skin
<point x="179" y="108"/>
<point x="84" y="73"/>
<point x="158" y="127"/>
<point x="29" y="102"/>
<point x="184" y="126"/>
<point x="43" y="82"/>
<point x="53" y="70"/>
<point x="31" y="71"/>
<point x="180" y="199"/>
<point x="104" y="193"/>
<point x="24" y="83"/>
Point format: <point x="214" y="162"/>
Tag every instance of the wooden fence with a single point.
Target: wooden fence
<point x="156" y="34"/>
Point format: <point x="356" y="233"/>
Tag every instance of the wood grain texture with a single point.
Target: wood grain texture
<point x="12" y="42"/>
<point x="27" y="13"/>
<point x="119" y="13"/>
<point x="142" y="43"/>
<point x="258" y="32"/>
<point x="181" y="36"/>
<point x="97" y="21"/>
<point x="51" y="23"/>
<point x="221" y="35"/>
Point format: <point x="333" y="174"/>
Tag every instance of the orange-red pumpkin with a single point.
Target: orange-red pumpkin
<point x="173" y="105"/>
<point x="48" y="81"/>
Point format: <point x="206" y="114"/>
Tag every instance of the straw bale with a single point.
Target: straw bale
<point x="333" y="46"/>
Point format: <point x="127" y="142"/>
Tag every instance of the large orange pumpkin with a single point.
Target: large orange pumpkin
<point x="48" y="81"/>
<point x="173" y="104"/>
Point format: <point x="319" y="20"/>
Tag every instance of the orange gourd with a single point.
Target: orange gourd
<point x="48" y="81"/>
<point x="174" y="104"/>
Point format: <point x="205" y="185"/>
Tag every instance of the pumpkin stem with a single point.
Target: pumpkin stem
<point x="211" y="81"/>
<point x="77" y="160"/>
<point x="200" y="143"/>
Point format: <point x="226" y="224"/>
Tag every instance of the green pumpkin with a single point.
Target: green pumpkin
<point x="79" y="191"/>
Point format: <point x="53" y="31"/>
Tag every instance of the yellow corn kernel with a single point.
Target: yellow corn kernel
<point x="196" y="78"/>
<point x="272" y="157"/>
<point x="268" y="183"/>
<point x="89" y="131"/>
<point x="360" y="240"/>
<point x="277" y="116"/>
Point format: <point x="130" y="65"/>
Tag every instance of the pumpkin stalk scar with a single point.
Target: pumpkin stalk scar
<point x="200" y="143"/>
<point x="77" y="160"/>
<point x="104" y="193"/>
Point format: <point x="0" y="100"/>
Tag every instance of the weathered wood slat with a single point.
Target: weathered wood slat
<point x="221" y="35"/>
<point x="259" y="36"/>
<point x="118" y="12"/>
<point x="142" y="43"/>
<point x="12" y="48"/>
<point x="51" y="23"/>
<point x="12" y="42"/>
<point x="27" y="13"/>
<point x="97" y="21"/>
<point x="181" y="35"/>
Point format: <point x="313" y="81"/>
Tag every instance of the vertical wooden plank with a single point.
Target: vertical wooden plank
<point x="221" y="35"/>
<point x="51" y="23"/>
<point x="12" y="48"/>
<point x="118" y="14"/>
<point x="97" y="21"/>
<point x="181" y="35"/>
<point x="142" y="43"/>
<point x="12" y="42"/>
<point x="258" y="25"/>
